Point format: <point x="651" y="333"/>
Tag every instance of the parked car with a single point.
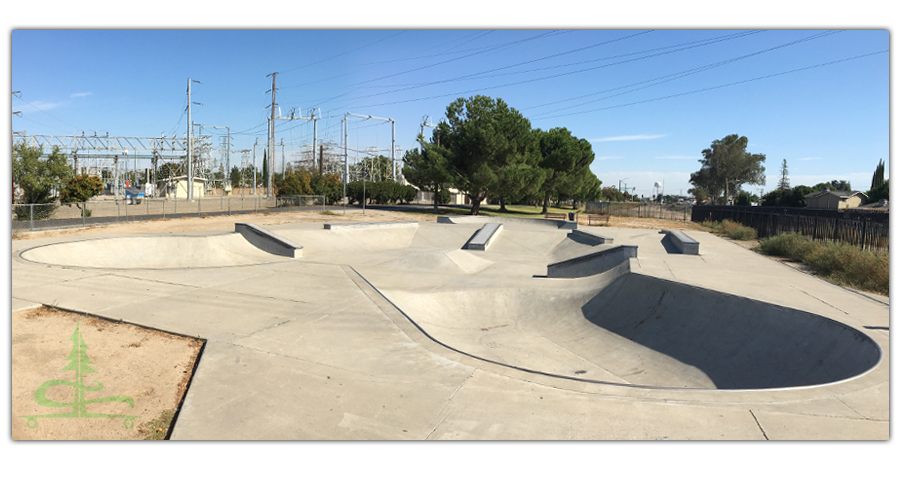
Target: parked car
<point x="133" y="196"/>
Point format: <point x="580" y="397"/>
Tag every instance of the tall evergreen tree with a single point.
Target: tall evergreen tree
<point x="784" y="184"/>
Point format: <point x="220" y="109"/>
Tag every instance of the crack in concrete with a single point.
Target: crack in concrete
<point x="820" y="300"/>
<point x="759" y="425"/>
<point x="448" y="403"/>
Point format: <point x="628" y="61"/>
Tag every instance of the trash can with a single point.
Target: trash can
<point x="571" y="216"/>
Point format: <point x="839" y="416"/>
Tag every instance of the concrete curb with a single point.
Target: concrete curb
<point x="591" y="235"/>
<point x="367" y="225"/>
<point x="684" y="243"/>
<point x="268" y="241"/>
<point x="483" y="238"/>
<point x="592" y="263"/>
<point x="476" y="219"/>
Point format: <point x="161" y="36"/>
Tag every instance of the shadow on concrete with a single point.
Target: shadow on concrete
<point x="737" y="342"/>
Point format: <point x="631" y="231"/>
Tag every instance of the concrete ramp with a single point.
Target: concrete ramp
<point x="153" y="252"/>
<point x="630" y="329"/>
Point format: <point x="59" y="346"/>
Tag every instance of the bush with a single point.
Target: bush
<point x="731" y="229"/>
<point x="737" y="231"/>
<point x="793" y="246"/>
<point x="839" y="263"/>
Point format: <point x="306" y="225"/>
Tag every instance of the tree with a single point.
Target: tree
<point x="428" y="169"/>
<point x="482" y="136"/>
<point x="878" y="176"/>
<point x="784" y="184"/>
<point x="518" y="181"/>
<point x="265" y="171"/>
<point x="726" y="166"/>
<point x="834" y="185"/>
<point x="795" y="197"/>
<point x="882" y="192"/>
<point x="80" y="189"/>
<point x="39" y="179"/>
<point x="565" y="158"/>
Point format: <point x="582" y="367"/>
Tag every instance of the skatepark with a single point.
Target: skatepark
<point x="530" y="329"/>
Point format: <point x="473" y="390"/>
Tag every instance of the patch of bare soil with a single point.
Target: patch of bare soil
<point x="650" y="223"/>
<point x="120" y="365"/>
<point x="191" y="224"/>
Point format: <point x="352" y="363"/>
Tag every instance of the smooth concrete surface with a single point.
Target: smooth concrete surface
<point x="267" y="241"/>
<point x="483" y="238"/>
<point x="398" y="333"/>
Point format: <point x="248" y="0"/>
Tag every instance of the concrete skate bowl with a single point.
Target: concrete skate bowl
<point x="635" y="330"/>
<point x="153" y="252"/>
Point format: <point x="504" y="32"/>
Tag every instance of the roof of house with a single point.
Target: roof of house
<point x="840" y="194"/>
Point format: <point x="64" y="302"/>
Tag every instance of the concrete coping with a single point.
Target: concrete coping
<point x="367" y="225"/>
<point x="684" y="243"/>
<point x="592" y="235"/>
<point x="592" y="263"/>
<point x="483" y="238"/>
<point x="268" y="241"/>
<point x="533" y="221"/>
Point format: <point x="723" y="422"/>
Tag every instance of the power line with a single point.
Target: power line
<point x="672" y="76"/>
<point x="720" y="86"/>
<point x="667" y="50"/>
<point x="503" y="45"/>
<point x="344" y="53"/>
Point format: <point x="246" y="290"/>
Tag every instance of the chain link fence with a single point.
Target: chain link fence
<point x="35" y="217"/>
<point x="651" y="210"/>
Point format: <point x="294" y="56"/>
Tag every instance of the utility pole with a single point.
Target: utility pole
<point x="271" y="139"/>
<point x="254" y="165"/>
<point x="346" y="164"/>
<point x="190" y="149"/>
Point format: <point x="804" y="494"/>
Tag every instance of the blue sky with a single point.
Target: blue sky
<point x="649" y="100"/>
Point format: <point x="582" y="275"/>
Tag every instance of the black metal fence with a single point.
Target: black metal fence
<point x="863" y="228"/>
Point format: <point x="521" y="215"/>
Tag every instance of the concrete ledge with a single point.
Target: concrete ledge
<point x="592" y="263"/>
<point x="483" y="238"/>
<point x="268" y="241"/>
<point x="368" y="225"/>
<point x="593" y="236"/>
<point x="684" y="243"/>
<point x="476" y="219"/>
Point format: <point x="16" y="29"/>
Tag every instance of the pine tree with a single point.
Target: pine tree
<point x="784" y="184"/>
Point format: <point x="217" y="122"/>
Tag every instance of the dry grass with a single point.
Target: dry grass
<point x="840" y="263"/>
<point x="731" y="229"/>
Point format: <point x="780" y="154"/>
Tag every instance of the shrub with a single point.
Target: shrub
<point x="731" y="229"/>
<point x="839" y="263"/>
<point x="793" y="246"/>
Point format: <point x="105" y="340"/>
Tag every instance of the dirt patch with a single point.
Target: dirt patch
<point x="190" y="224"/>
<point x="150" y="368"/>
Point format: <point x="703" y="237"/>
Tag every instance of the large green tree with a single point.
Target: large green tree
<point x="880" y="189"/>
<point x="482" y="137"/>
<point x="39" y="178"/>
<point x="566" y="161"/>
<point x="428" y="169"/>
<point x="726" y="166"/>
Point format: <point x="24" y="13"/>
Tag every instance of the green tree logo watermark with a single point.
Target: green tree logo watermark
<point x="79" y="363"/>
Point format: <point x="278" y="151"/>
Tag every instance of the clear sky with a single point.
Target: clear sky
<point x="649" y="100"/>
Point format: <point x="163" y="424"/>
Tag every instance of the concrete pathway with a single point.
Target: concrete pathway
<point x="398" y="333"/>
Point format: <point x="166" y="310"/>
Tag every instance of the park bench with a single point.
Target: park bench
<point x="556" y="216"/>
<point x="598" y="218"/>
